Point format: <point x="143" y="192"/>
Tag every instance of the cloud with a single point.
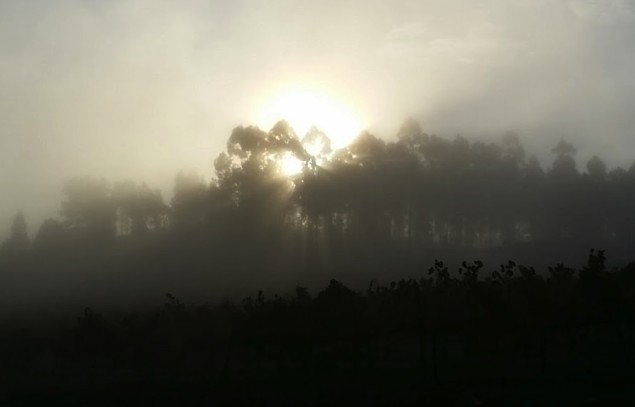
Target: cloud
<point x="141" y="89"/>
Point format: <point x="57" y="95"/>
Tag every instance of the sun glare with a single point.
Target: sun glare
<point x="290" y="165"/>
<point x="304" y="108"/>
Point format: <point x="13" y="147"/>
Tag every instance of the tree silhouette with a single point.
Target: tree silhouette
<point x="50" y="237"/>
<point x="18" y="241"/>
<point x="89" y="208"/>
<point x="138" y="208"/>
<point x="191" y="201"/>
<point x="564" y="163"/>
<point x="596" y="168"/>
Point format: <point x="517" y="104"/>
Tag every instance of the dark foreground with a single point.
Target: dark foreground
<point x="370" y="389"/>
<point x="511" y="337"/>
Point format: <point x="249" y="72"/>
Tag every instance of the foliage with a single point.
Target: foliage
<point x="512" y="324"/>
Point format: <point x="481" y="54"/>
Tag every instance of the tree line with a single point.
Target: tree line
<point x="417" y="191"/>
<point x="283" y="211"/>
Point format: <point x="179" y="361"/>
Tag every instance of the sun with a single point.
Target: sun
<point x="303" y="108"/>
<point x="290" y="165"/>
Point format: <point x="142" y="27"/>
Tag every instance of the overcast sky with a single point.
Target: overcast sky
<point x="142" y="89"/>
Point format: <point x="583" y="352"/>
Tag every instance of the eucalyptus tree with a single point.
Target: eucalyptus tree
<point x="88" y="208"/>
<point x="18" y="241"/>
<point x="139" y="208"/>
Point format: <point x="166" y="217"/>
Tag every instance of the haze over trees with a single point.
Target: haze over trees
<point x="280" y="205"/>
<point x="287" y="214"/>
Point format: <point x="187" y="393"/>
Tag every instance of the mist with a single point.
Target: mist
<point x="317" y="202"/>
<point x="140" y="90"/>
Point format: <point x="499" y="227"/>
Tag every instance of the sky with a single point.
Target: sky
<point x="141" y="89"/>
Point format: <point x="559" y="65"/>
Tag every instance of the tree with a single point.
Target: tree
<point x="410" y="133"/>
<point x="18" y="240"/>
<point x="139" y="208"/>
<point x="190" y="203"/>
<point x="89" y="208"/>
<point x="250" y="174"/>
<point x="50" y="237"/>
<point x="316" y="143"/>
<point x="596" y="168"/>
<point x="564" y="163"/>
<point x="513" y="151"/>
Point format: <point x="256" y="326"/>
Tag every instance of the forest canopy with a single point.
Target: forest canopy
<point x="280" y="202"/>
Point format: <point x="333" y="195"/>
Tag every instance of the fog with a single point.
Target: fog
<point x="141" y="89"/>
<point x="346" y="202"/>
